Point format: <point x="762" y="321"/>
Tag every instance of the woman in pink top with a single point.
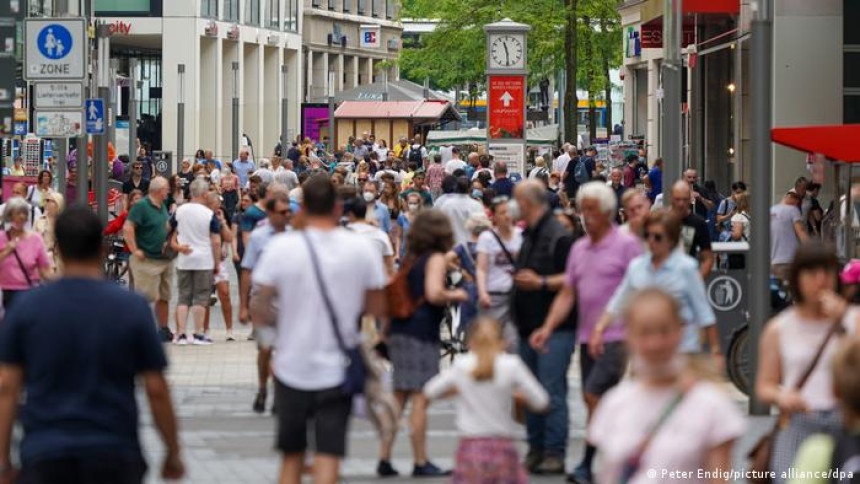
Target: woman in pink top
<point x="667" y="423"/>
<point x="23" y="260"/>
<point x="788" y="347"/>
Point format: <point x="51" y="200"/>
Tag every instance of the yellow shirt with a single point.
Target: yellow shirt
<point x="16" y="171"/>
<point x="398" y="150"/>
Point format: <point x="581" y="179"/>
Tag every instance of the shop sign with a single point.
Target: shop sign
<point x="371" y="36"/>
<point x="119" y="28"/>
<point x="652" y="35"/>
<point x="634" y="43"/>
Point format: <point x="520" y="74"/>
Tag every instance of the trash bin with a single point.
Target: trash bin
<point x="726" y="288"/>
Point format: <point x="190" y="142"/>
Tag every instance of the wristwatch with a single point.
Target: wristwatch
<point x="543" y="284"/>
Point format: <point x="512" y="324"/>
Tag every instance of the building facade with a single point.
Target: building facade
<point x="227" y="49"/>
<point x="717" y="115"/>
<point x="348" y="43"/>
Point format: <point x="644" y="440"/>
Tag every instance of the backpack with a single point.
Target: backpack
<point x="415" y="155"/>
<point x="398" y="294"/>
<point x="580" y="171"/>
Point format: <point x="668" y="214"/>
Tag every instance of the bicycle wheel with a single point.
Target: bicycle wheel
<point x="739" y="360"/>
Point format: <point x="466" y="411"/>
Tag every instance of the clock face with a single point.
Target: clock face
<point x="506" y="51"/>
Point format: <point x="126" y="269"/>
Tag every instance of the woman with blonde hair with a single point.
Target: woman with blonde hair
<point x="486" y="382"/>
<point x="44" y="225"/>
<point x="539" y="169"/>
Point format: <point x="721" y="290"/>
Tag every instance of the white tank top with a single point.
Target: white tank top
<point x="799" y="340"/>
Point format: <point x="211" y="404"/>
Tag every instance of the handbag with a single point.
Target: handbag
<point x="363" y="369"/>
<point x="634" y="462"/>
<point x="760" y="455"/>
<point x="20" y="263"/>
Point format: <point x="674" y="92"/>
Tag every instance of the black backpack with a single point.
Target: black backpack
<point x="415" y="155"/>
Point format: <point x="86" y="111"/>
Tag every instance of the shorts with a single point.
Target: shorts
<point x="195" y="287"/>
<point x="223" y="274"/>
<point x="153" y="278"/>
<point x="265" y="337"/>
<point x="328" y="410"/>
<point x="600" y="375"/>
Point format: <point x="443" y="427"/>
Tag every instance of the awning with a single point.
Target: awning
<point x="542" y="136"/>
<point x="419" y="111"/>
<point x="654" y="8"/>
<point x="834" y="142"/>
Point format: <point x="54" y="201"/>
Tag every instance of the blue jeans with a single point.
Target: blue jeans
<point x="548" y="432"/>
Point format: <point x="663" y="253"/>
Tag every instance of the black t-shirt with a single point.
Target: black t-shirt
<point x="695" y="235"/>
<point x="80" y="343"/>
<point x="128" y="186"/>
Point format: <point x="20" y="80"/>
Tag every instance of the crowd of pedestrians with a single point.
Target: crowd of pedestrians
<point x="528" y="270"/>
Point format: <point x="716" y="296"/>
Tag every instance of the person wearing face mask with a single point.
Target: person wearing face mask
<point x="595" y="268"/>
<point x="379" y="213"/>
<point x="497" y="250"/>
<point x="404" y="221"/>
<point x="669" y="416"/>
<point x="677" y="274"/>
<point x="459" y="206"/>
<point x="789" y="343"/>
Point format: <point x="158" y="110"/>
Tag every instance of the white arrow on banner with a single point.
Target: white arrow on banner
<point x="506" y="98"/>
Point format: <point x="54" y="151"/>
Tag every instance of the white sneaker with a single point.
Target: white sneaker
<point x="200" y="340"/>
<point x="181" y="340"/>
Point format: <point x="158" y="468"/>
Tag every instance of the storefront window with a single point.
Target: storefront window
<point x="273" y="14"/>
<point x="231" y="10"/>
<point x="209" y="8"/>
<point x="252" y="12"/>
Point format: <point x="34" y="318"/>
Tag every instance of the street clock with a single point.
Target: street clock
<point x="507" y="51"/>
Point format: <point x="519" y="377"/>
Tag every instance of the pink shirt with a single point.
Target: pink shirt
<point x="595" y="271"/>
<point x="705" y="418"/>
<point x="31" y="250"/>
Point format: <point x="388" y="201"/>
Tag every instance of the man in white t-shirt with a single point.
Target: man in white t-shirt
<point x="355" y="209"/>
<point x="456" y="163"/>
<point x="323" y="278"/>
<point x="286" y="176"/>
<point x="559" y="165"/>
<point x="197" y="239"/>
<point x="459" y="207"/>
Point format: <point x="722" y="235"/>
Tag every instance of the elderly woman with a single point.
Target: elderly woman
<point x="44" y="226"/>
<point x="23" y="260"/>
<point x="539" y="169"/>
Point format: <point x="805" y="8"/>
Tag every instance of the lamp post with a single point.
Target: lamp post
<point x="285" y="112"/>
<point x="331" y="111"/>
<point x="673" y="65"/>
<point x="180" y="116"/>
<point x="132" y="108"/>
<point x="235" y="150"/>
<point x="759" y="254"/>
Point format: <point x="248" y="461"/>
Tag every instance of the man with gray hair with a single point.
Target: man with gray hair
<point x="197" y="239"/>
<point x="539" y="275"/>
<point x="595" y="268"/>
<point x="33" y="213"/>
<point x="286" y="176"/>
<point x="145" y="232"/>
<point x="265" y="172"/>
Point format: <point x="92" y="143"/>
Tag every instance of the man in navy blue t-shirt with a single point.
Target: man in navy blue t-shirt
<point x="75" y="347"/>
<point x="503" y="186"/>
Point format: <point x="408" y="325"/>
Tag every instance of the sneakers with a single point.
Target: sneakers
<point x="429" y="470"/>
<point x="550" y="465"/>
<point x="580" y="475"/>
<point x="202" y="339"/>
<point x="385" y="469"/>
<point x="260" y="402"/>
<point x="181" y="340"/>
<point x="533" y="459"/>
<point x="230" y="336"/>
<point x="165" y="334"/>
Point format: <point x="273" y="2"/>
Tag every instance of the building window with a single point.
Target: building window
<point x="315" y="3"/>
<point x="231" y="10"/>
<point x="389" y="9"/>
<point x="273" y="14"/>
<point x="373" y="10"/>
<point x="252" y="12"/>
<point x="361" y="6"/>
<point x="347" y="5"/>
<point x="209" y="8"/>
<point x="331" y="4"/>
<point x="291" y="17"/>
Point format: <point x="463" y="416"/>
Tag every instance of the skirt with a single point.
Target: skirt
<point x="801" y="426"/>
<point x="492" y="460"/>
<point x="414" y="361"/>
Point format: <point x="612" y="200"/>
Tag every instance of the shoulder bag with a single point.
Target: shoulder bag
<point x="504" y="248"/>
<point x="634" y="462"/>
<point x="364" y="369"/>
<point x="20" y="262"/>
<point x="760" y="455"/>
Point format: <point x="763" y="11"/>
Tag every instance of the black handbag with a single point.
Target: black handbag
<point x="356" y="370"/>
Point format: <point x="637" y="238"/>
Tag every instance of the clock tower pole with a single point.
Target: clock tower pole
<point x="507" y="92"/>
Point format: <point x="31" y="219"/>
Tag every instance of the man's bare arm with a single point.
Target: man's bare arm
<point x="11" y="378"/>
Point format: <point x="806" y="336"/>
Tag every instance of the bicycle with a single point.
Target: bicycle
<point x="738" y="356"/>
<point x="454" y="330"/>
<point x="116" y="262"/>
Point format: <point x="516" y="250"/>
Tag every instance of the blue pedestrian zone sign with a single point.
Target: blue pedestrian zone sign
<point x="55" y="41"/>
<point x="95" y="113"/>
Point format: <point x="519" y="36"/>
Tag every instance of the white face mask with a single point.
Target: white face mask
<point x="369" y="197"/>
<point x="413" y="207"/>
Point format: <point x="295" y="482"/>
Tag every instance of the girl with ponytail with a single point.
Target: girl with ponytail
<point x="486" y="381"/>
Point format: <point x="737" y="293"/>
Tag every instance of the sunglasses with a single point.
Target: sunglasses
<point x="655" y="236"/>
<point x="137" y="168"/>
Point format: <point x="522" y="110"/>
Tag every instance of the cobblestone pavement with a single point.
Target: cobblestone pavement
<point x="223" y="441"/>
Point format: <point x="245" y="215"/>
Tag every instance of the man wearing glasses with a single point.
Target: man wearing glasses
<point x="135" y="182"/>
